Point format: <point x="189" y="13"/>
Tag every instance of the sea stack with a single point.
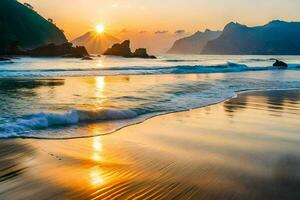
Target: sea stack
<point x="120" y="49"/>
<point x="279" y="63"/>
<point x="142" y="53"/>
<point x="124" y="50"/>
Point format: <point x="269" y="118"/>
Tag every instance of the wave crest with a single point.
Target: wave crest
<point x="141" y="70"/>
<point x="45" y="120"/>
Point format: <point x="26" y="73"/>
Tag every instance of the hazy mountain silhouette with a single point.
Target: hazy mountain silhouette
<point x="274" y="38"/>
<point x="194" y="44"/>
<point x="26" y="27"/>
<point x="95" y="43"/>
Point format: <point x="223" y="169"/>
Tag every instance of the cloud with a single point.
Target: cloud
<point x="161" y="32"/>
<point x="180" y="31"/>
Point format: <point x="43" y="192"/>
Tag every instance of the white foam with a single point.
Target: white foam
<point x="46" y="120"/>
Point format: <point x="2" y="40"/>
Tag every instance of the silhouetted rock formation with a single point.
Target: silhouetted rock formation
<point x="194" y="44"/>
<point x="64" y="50"/>
<point x="142" y="53"/>
<point x="25" y="27"/>
<point x="279" y="63"/>
<point x="274" y="38"/>
<point x="124" y="50"/>
<point x="95" y="43"/>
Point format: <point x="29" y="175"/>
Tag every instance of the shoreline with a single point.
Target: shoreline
<point x="242" y="148"/>
<point x="144" y="118"/>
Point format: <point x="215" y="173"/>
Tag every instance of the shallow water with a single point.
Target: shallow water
<point x="42" y="98"/>
<point x="165" y="64"/>
<point x="246" y="148"/>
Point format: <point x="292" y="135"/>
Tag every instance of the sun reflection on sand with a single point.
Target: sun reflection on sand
<point x="97" y="144"/>
<point x="96" y="176"/>
<point x="97" y="149"/>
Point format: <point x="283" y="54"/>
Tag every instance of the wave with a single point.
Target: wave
<point x="45" y="120"/>
<point x="142" y="70"/>
<point x="6" y="62"/>
<point x="177" y="60"/>
<point x="258" y="59"/>
<point x="221" y="68"/>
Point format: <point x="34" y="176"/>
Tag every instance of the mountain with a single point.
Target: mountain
<point x="195" y="43"/>
<point x="275" y="38"/>
<point x="95" y="43"/>
<point x="21" y="24"/>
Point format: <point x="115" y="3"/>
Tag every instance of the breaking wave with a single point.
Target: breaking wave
<point x="44" y="120"/>
<point x="140" y="70"/>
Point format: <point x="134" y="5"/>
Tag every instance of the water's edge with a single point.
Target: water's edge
<point x="145" y="118"/>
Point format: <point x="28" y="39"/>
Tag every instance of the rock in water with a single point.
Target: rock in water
<point x="279" y="63"/>
<point x="64" y="50"/>
<point x="124" y="50"/>
<point x="142" y="53"/>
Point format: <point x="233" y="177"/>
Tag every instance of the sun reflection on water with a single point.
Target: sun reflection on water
<point x="99" y="64"/>
<point x="100" y="86"/>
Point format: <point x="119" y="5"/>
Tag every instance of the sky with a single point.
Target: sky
<point x="156" y="24"/>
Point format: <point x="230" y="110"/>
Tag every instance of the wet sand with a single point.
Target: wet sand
<point x="245" y="148"/>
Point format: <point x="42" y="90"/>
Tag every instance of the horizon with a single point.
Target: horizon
<point x="158" y="27"/>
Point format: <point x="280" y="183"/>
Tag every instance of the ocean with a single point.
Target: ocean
<point x="59" y="98"/>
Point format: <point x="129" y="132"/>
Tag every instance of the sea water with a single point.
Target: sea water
<point x="66" y="98"/>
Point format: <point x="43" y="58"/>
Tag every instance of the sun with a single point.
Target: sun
<point x="100" y="28"/>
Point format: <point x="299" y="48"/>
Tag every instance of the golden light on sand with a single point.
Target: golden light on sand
<point x="97" y="149"/>
<point x="96" y="177"/>
<point x="97" y="145"/>
<point x="100" y="28"/>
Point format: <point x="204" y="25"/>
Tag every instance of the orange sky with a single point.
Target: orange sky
<point x="138" y="20"/>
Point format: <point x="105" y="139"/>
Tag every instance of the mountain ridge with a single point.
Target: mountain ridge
<point x="22" y="25"/>
<point x="193" y="44"/>
<point x="274" y="38"/>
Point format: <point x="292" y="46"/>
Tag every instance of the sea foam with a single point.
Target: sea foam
<point x="45" y="120"/>
<point x="139" y="70"/>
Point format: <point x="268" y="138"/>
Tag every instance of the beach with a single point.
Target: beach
<point x="245" y="148"/>
<point x="149" y="100"/>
